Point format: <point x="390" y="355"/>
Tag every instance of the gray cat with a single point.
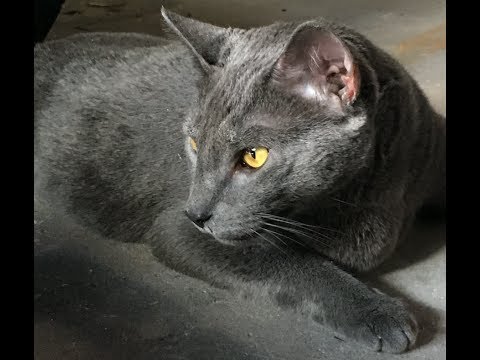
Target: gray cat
<point x="271" y="161"/>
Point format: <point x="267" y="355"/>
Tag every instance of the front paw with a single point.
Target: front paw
<point x="383" y="324"/>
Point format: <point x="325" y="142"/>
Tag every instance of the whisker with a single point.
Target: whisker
<point x="343" y="202"/>
<point x="296" y="231"/>
<point x="269" y="241"/>
<point x="283" y="242"/>
<point x="307" y="229"/>
<point x="276" y="234"/>
<point x="298" y="223"/>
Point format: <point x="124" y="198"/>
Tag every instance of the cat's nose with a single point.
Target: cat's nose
<point x="198" y="219"/>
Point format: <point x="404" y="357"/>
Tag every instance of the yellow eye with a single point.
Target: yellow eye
<point x="193" y="144"/>
<point x="256" y="157"/>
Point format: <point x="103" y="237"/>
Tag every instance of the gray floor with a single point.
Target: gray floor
<point x="98" y="299"/>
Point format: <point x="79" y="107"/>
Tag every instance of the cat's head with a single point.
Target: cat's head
<point x="279" y="122"/>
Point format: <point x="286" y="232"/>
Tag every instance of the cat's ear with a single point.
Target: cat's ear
<point x="205" y="40"/>
<point x="317" y="66"/>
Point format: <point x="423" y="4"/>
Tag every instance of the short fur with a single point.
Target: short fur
<point x="355" y="150"/>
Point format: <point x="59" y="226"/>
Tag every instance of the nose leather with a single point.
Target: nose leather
<point x="198" y="219"/>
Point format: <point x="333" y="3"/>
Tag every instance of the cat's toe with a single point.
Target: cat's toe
<point x="391" y="328"/>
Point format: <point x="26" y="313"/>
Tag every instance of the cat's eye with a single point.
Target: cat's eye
<point x="193" y="144"/>
<point x="255" y="157"/>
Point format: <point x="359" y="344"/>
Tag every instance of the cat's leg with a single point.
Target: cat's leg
<point x="435" y="205"/>
<point x="297" y="281"/>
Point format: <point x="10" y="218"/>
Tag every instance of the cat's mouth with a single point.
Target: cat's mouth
<point x="228" y="235"/>
<point x="230" y="239"/>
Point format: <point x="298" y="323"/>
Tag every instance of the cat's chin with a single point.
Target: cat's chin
<point x="240" y="241"/>
<point x="227" y="242"/>
<point x="224" y="240"/>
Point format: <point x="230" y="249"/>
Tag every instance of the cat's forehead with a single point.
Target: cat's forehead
<point x="261" y="42"/>
<point x="234" y="88"/>
<point x="217" y="125"/>
<point x="248" y="55"/>
<point x="216" y="128"/>
<point x="234" y="94"/>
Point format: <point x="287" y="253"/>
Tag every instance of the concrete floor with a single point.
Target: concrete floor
<point x="99" y="299"/>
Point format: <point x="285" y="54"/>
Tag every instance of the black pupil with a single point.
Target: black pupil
<point x="252" y="152"/>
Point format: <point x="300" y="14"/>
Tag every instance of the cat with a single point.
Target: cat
<point x="276" y="161"/>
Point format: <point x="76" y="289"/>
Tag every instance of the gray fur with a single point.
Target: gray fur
<point x="113" y="113"/>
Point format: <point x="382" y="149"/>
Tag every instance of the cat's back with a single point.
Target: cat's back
<point x="74" y="55"/>
<point x="88" y="64"/>
<point x="100" y="83"/>
<point x="106" y="107"/>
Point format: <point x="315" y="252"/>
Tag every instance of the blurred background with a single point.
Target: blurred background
<point x="98" y="299"/>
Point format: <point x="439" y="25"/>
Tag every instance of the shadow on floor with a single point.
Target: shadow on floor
<point x="83" y="310"/>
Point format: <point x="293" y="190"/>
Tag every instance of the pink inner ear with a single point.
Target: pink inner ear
<point x="349" y="92"/>
<point x="316" y="65"/>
